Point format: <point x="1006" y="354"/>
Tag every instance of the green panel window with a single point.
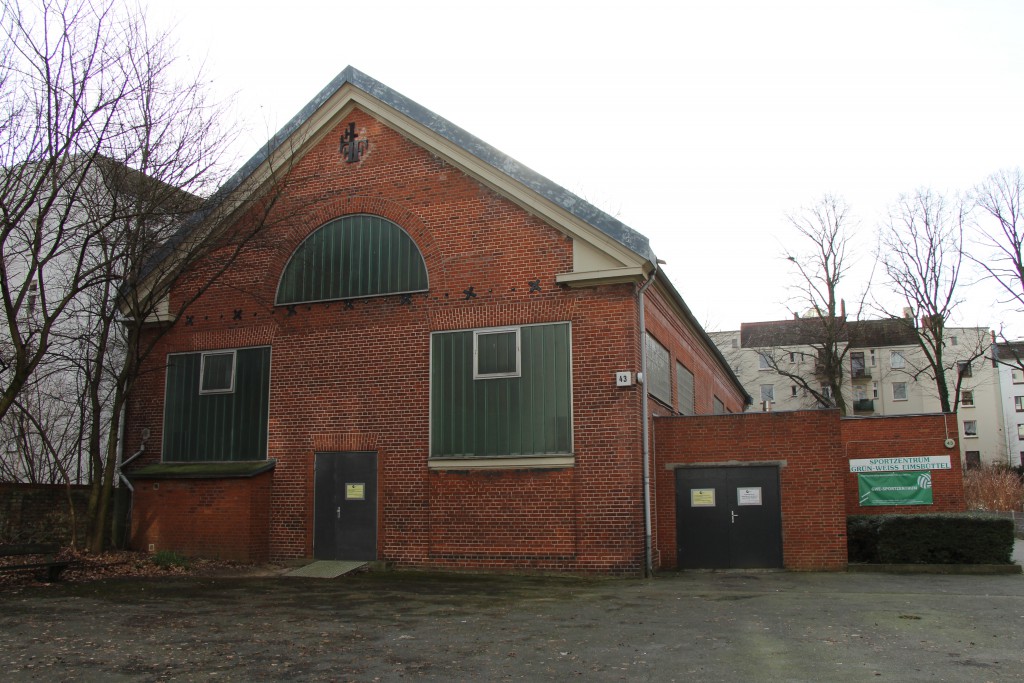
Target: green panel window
<point x="203" y="421"/>
<point x="351" y="257"/>
<point x="479" y="409"/>
<point x="659" y="377"/>
<point x="684" y="388"/>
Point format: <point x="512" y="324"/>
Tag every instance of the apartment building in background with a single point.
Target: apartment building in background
<point x="885" y="372"/>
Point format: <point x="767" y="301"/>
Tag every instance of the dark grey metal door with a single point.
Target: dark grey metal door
<point x="345" y="506"/>
<point x="728" y="517"/>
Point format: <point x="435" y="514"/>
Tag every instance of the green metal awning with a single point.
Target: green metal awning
<point x="203" y="470"/>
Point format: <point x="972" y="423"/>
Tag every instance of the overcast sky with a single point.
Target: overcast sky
<point x="699" y="124"/>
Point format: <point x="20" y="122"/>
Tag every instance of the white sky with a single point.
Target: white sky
<point x="699" y="124"/>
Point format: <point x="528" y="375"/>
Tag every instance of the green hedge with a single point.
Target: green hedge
<point x="929" y="539"/>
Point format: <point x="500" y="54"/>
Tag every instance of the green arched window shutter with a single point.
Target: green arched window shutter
<point x="351" y="257"/>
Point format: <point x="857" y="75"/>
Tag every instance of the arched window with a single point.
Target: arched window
<point x="351" y="257"/>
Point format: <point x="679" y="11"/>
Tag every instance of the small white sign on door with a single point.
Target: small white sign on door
<point x="750" y="495"/>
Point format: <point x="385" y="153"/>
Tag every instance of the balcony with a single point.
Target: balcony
<point x="860" y="374"/>
<point x="864" y="405"/>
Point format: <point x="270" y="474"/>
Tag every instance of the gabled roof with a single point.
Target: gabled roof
<point x="627" y="253"/>
<point x="463" y="140"/>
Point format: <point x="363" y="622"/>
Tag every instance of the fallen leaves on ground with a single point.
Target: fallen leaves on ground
<point x="86" y="567"/>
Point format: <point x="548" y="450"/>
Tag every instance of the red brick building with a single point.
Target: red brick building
<point x="425" y="354"/>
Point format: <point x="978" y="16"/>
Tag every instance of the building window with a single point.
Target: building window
<point x="964" y="368"/>
<point x="351" y="257"/>
<point x="899" y="391"/>
<point x="826" y="391"/>
<point x="953" y="340"/>
<point x="1020" y="431"/>
<point x="857" y="365"/>
<point x="735" y="343"/>
<point x="874" y="390"/>
<point x="970" y="427"/>
<point x="719" y="406"/>
<point x="524" y="414"/>
<point x="872" y="357"/>
<point x="792" y="391"/>
<point x="684" y="390"/>
<point x="496" y="353"/>
<point x="659" y="372"/>
<point x="767" y="392"/>
<point x="217" y="425"/>
<point x="896" y="360"/>
<point x="762" y="361"/>
<point x="967" y="399"/>
<point x="973" y="459"/>
<point x="792" y="358"/>
<point x="217" y="372"/>
<point x="1018" y="403"/>
<point x="1017" y="375"/>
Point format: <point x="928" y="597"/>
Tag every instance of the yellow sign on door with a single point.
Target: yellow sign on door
<point x="355" y="491"/>
<point x="702" y="498"/>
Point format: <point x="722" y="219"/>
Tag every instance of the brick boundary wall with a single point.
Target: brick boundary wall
<point x="226" y="519"/>
<point x="38" y="513"/>
<point x="900" y="436"/>
<point x="811" y="478"/>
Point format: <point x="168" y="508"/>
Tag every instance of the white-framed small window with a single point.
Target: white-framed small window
<point x="496" y="353"/>
<point x="872" y="357"/>
<point x="970" y="428"/>
<point x="953" y="340"/>
<point x="767" y="392"/>
<point x="792" y="390"/>
<point x="1018" y="404"/>
<point x="762" y="361"/>
<point x="899" y="391"/>
<point x="896" y="360"/>
<point x="874" y="389"/>
<point x="217" y="372"/>
<point x="1017" y="375"/>
<point x="1020" y="432"/>
<point x="792" y="358"/>
<point x="967" y="398"/>
<point x="735" y="343"/>
<point x="964" y="369"/>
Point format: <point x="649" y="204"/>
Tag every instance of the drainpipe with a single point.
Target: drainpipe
<point x="123" y="479"/>
<point x="648" y="552"/>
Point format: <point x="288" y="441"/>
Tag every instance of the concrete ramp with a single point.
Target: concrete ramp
<point x="327" y="569"/>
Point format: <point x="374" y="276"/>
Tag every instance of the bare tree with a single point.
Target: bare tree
<point x="105" y="155"/>
<point x="921" y="251"/>
<point x="999" y="229"/>
<point x="820" y="266"/>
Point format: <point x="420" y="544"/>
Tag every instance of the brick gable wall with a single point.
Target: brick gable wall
<point x="356" y="376"/>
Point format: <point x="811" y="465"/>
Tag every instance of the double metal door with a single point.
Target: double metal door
<point x="728" y="517"/>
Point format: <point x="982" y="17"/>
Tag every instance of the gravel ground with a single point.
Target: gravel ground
<point x="406" y="625"/>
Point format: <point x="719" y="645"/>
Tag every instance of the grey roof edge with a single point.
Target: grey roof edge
<point x="674" y="293"/>
<point x="578" y="207"/>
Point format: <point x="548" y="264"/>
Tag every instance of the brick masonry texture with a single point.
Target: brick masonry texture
<point x="813" y="449"/>
<point x="217" y="518"/>
<point x="900" y="437"/>
<point x="356" y="376"/>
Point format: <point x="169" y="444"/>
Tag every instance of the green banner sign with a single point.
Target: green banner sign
<point x="896" y="488"/>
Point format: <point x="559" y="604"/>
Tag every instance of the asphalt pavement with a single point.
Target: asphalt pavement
<point x="397" y="626"/>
